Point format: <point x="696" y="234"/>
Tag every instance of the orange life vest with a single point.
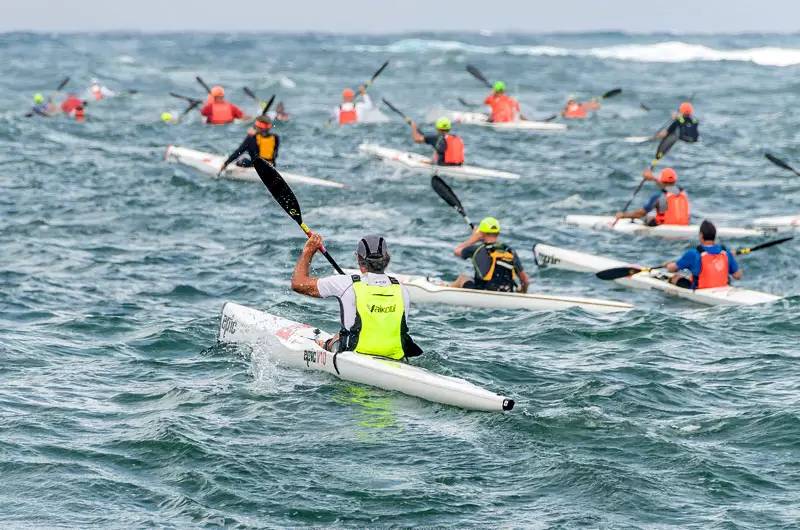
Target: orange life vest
<point x="713" y="269"/>
<point x="80" y="114"/>
<point x="677" y="212"/>
<point x="576" y="111"/>
<point x="504" y="108"/>
<point x="347" y="113"/>
<point x="454" y="151"/>
<point x="221" y="113"/>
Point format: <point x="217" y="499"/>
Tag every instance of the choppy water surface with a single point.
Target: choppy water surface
<point x="117" y="408"/>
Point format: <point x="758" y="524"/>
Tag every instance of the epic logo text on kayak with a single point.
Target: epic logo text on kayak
<point x="375" y="308"/>
<point x="314" y="356"/>
<point x="228" y="325"/>
<point x="544" y="259"/>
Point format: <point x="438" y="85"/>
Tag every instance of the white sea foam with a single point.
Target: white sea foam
<point x="665" y="52"/>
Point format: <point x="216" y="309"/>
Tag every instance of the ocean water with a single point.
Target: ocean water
<point x="118" y="408"/>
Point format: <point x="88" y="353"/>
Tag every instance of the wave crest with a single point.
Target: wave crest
<point x="661" y="52"/>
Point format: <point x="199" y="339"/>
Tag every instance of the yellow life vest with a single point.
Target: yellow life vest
<point x="266" y="146"/>
<point x="380" y="319"/>
<point x="500" y="256"/>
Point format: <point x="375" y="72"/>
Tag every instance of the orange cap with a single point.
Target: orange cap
<point x="686" y="108"/>
<point x="668" y="176"/>
<point x="217" y="91"/>
<point x="262" y="123"/>
<point x="348" y="94"/>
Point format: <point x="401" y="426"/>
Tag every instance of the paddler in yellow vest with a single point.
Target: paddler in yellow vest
<point x="373" y="304"/>
<point x="260" y="142"/>
<point x="497" y="266"/>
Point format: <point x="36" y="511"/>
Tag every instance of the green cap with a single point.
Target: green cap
<point x="443" y="124"/>
<point x="499" y="86"/>
<point x="38" y="99"/>
<point x="166" y="116"/>
<point x="489" y="225"/>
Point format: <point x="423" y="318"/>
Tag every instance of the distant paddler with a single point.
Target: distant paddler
<point x="577" y="110"/>
<point x="684" y="124"/>
<point x="99" y="91"/>
<point x="71" y="102"/>
<point x="709" y="264"/>
<point x="260" y="142"/>
<point x="448" y="149"/>
<point x="373" y="305"/>
<point x="497" y="266"/>
<point x="219" y="111"/>
<point x="74" y="107"/>
<point x="280" y="113"/>
<point x="349" y="111"/>
<point x="669" y="205"/>
<point x="41" y="107"/>
<point x="503" y="108"/>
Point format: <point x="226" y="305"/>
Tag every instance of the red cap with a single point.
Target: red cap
<point x="686" y="109"/>
<point x="262" y="124"/>
<point x="348" y="94"/>
<point x="668" y="176"/>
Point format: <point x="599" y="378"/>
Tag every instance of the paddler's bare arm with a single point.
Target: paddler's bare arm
<point x="302" y="281"/>
<point x="635" y="214"/>
<point x="524" y="282"/>
<point x="474" y="238"/>
<point x="415" y="134"/>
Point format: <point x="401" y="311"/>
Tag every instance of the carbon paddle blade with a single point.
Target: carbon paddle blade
<point x="611" y="93"/>
<point x="202" y="83"/>
<point x="780" y="163"/>
<point x="62" y="84"/>
<point x="618" y="272"/>
<point x="378" y="72"/>
<point x="664" y="146"/>
<point x="189" y="109"/>
<point x="478" y="75"/>
<point x="249" y="93"/>
<point x="446" y="193"/>
<point x="279" y="189"/>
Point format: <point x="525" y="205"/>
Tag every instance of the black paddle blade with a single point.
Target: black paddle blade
<point x="189" y="109"/>
<point x="550" y="118"/>
<point x="446" y="193"/>
<point x="250" y="93"/>
<point x="613" y="92"/>
<point x="62" y="84"/>
<point x="467" y="103"/>
<point x="378" y="72"/>
<point x="644" y="107"/>
<point x="748" y="250"/>
<point x="478" y="75"/>
<point x="617" y="272"/>
<point x="268" y="105"/>
<point x="185" y="98"/>
<point x="203" y="83"/>
<point x="665" y="145"/>
<point x="778" y="162"/>
<point x="279" y="189"/>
